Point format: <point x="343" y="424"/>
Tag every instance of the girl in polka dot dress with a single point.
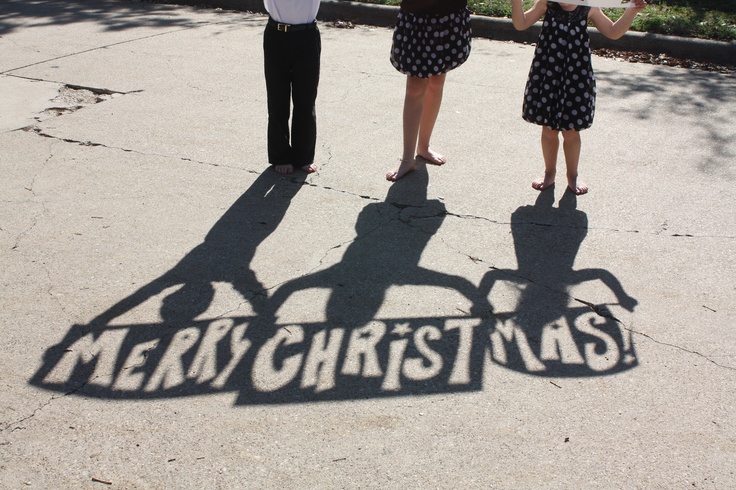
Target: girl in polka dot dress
<point x="560" y="91"/>
<point x="431" y="38"/>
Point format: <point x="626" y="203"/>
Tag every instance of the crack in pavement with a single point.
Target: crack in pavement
<point x="34" y="222"/>
<point x="16" y="424"/>
<point x="601" y="310"/>
<point x="408" y="220"/>
<point x="69" y="99"/>
<point x="72" y="86"/>
<point x="680" y="348"/>
<point x="558" y="226"/>
<point x="106" y="46"/>
<point x="102" y="91"/>
<point x="38" y="131"/>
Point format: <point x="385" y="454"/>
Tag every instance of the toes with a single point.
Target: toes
<point x="434" y="159"/>
<point x="540" y="185"/>
<point x="405" y="166"/>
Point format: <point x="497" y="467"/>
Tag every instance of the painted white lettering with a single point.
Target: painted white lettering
<point x="558" y="344"/>
<point x="610" y="356"/>
<point x="128" y="379"/>
<point x="362" y="345"/>
<point x="321" y="363"/>
<point x="461" y="370"/>
<point x="103" y="351"/>
<point x="415" y="368"/>
<point x="392" y="381"/>
<point x="170" y="370"/>
<point x="266" y="376"/>
<point x="239" y="345"/>
<point x="204" y="365"/>
<point x="505" y="333"/>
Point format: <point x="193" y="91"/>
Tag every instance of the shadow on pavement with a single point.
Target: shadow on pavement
<point x="697" y="99"/>
<point x="112" y="15"/>
<point x="353" y="354"/>
<point x="549" y="332"/>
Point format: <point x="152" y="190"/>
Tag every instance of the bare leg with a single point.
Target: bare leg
<point x="550" y="147"/>
<point x="571" y="145"/>
<point x="416" y="88"/>
<point x="432" y="103"/>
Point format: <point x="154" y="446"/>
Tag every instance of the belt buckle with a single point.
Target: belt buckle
<point x="282" y="27"/>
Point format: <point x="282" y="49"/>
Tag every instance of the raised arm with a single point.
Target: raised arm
<point x="614" y="30"/>
<point x="609" y="280"/>
<point x="524" y="20"/>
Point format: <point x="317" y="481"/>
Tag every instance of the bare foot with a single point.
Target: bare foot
<point x="544" y="182"/>
<point x="577" y="187"/>
<point x="432" y="157"/>
<point x="310" y="169"/>
<point x="405" y="167"/>
<point x="284" y="169"/>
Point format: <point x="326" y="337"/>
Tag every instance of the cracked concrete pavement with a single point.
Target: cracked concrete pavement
<point x="177" y="315"/>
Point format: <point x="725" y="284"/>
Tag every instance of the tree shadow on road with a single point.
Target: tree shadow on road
<point x="111" y="15"/>
<point x="702" y="103"/>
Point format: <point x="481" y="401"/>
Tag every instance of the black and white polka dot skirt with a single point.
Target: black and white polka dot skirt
<point x="426" y="45"/>
<point x="561" y="89"/>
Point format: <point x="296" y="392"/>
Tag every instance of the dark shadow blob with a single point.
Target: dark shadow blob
<point x="112" y="15"/>
<point x="546" y="242"/>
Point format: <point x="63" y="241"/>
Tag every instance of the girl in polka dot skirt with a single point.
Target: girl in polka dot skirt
<point x="560" y="91"/>
<point x="431" y="38"/>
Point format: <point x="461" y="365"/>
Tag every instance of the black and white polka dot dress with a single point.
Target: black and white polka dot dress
<point x="425" y="45"/>
<point x="560" y="91"/>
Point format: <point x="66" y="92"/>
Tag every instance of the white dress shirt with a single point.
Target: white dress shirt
<point x="292" y="11"/>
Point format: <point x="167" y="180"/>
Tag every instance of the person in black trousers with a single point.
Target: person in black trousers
<point x="292" y="47"/>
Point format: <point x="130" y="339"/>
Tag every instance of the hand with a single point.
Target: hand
<point x="629" y="303"/>
<point x="640" y="5"/>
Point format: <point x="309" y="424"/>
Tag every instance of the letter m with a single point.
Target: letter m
<point x="90" y="358"/>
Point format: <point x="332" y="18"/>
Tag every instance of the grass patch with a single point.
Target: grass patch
<point x="705" y="19"/>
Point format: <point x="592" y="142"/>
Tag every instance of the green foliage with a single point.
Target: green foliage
<point x="706" y="19"/>
<point x="689" y="19"/>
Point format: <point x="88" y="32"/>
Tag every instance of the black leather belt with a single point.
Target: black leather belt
<point x="281" y="27"/>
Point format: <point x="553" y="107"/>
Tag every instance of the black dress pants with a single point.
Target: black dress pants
<point x="291" y="62"/>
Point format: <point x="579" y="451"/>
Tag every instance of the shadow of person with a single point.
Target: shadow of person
<point x="390" y="239"/>
<point x="224" y="256"/>
<point x="353" y="353"/>
<point x="549" y="332"/>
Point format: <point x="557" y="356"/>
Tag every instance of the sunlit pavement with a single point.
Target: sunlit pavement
<point x="178" y="315"/>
